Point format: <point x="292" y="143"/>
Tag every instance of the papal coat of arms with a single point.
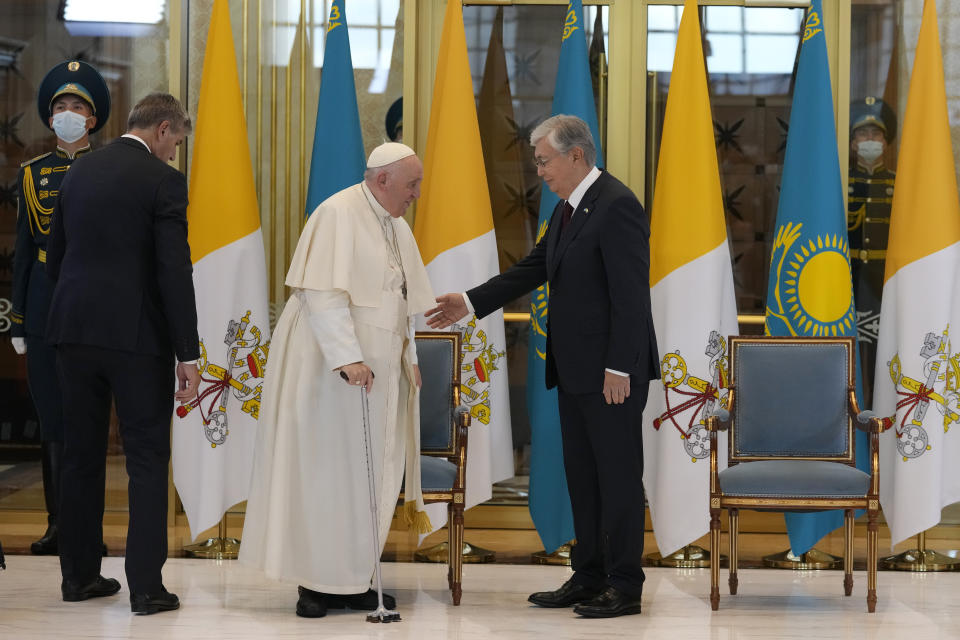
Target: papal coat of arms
<point x="479" y="359"/>
<point x="241" y="378"/>
<point x="690" y="398"/>
<point x="938" y="385"/>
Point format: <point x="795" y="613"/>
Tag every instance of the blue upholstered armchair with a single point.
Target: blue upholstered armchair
<point x="791" y="414"/>
<point x="443" y="439"/>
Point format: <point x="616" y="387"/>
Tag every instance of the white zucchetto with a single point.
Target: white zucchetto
<point x="388" y="153"/>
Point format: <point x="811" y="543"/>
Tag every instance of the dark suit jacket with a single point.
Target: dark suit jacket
<point x="119" y="254"/>
<point x="598" y="271"/>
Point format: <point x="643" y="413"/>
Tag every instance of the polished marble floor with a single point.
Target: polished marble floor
<point x="227" y="600"/>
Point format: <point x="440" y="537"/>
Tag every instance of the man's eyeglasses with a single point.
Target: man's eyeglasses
<point x="540" y="163"/>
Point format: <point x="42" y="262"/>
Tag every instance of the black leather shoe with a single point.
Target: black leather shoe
<point x="312" y="604"/>
<point x="72" y="592"/>
<point x="149" y="603"/>
<point x="609" y="604"/>
<point x="47" y="544"/>
<point x="569" y="594"/>
<point x="360" y="601"/>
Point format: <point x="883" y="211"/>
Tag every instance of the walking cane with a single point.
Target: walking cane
<point x="382" y="614"/>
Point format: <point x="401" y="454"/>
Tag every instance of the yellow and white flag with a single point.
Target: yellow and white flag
<point x="213" y="436"/>
<point x="918" y="366"/>
<point x="694" y="307"/>
<point x="454" y="230"/>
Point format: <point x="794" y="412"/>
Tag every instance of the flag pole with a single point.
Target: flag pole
<point x="221" y="547"/>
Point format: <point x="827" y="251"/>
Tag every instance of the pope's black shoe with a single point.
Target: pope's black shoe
<point x="360" y="601"/>
<point x="73" y="592"/>
<point x="148" y="603"/>
<point x="312" y="604"/>
<point x="609" y="604"/>
<point x="569" y="594"/>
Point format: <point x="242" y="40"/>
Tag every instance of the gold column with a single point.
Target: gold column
<point x="287" y="163"/>
<point x="302" y="191"/>
<point x="273" y="159"/>
<point x="244" y="8"/>
<point x="259" y="168"/>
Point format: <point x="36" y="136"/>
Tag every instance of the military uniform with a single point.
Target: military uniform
<point x="870" y="197"/>
<point x="38" y="184"/>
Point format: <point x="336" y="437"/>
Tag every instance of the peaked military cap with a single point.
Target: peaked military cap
<point x="873" y="111"/>
<point x="77" y="78"/>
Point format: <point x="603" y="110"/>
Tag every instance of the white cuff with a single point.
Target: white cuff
<point x="466" y="300"/>
<point x="328" y="313"/>
<point x="412" y="345"/>
<point x="333" y="330"/>
<point x="619" y="373"/>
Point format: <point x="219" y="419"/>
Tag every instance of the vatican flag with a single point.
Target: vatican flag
<point x="454" y="230"/>
<point x="213" y="436"/>
<point x="693" y="302"/>
<point x="917" y="368"/>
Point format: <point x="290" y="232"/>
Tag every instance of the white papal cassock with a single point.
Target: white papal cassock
<point x="308" y="516"/>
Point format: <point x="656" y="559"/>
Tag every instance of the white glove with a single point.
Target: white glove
<point x="19" y="345"/>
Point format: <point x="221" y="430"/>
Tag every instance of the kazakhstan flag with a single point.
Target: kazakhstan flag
<point x="810" y="292"/>
<point x="338" y="157"/>
<point x="549" y="496"/>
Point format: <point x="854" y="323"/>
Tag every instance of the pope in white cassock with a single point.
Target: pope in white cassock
<point x="358" y="281"/>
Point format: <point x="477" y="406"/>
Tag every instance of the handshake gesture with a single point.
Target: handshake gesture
<point x="450" y="308"/>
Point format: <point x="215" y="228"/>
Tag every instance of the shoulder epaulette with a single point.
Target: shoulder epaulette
<point x="39" y="157"/>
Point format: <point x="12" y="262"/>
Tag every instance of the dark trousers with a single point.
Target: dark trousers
<point x="142" y="387"/>
<point x="45" y="387"/>
<point x="603" y="459"/>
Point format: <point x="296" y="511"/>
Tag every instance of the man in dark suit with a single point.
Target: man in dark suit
<point x="601" y="353"/>
<point x="123" y="307"/>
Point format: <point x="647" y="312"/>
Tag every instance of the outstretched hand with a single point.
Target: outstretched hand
<point x="450" y="308"/>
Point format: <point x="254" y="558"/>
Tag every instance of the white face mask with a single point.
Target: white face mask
<point x="69" y="126"/>
<point x="869" y="151"/>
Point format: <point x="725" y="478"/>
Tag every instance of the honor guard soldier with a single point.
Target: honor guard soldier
<point x="73" y="101"/>
<point x="873" y="126"/>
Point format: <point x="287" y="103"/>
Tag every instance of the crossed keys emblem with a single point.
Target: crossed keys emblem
<point x="241" y="378"/>
<point x="698" y="400"/>
<point x="916" y="395"/>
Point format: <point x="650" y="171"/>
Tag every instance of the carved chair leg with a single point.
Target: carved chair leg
<point x="733" y="535"/>
<point x="848" y="552"/>
<point x="872" y="560"/>
<point x="714" y="556"/>
<point x="457" y="565"/>
<point x="450" y="545"/>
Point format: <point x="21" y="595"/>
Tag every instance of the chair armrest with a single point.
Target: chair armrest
<point x="718" y="420"/>
<point x="869" y="422"/>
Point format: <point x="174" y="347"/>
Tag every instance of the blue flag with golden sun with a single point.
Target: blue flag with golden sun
<point x="549" y="496"/>
<point x="810" y="292"/>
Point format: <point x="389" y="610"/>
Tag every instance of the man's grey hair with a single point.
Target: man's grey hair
<point x="154" y="109"/>
<point x="565" y="132"/>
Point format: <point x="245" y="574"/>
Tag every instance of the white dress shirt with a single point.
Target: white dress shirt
<point x="575" y="197"/>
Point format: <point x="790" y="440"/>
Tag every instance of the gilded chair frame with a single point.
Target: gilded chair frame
<point x="723" y="420"/>
<point x="458" y="456"/>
